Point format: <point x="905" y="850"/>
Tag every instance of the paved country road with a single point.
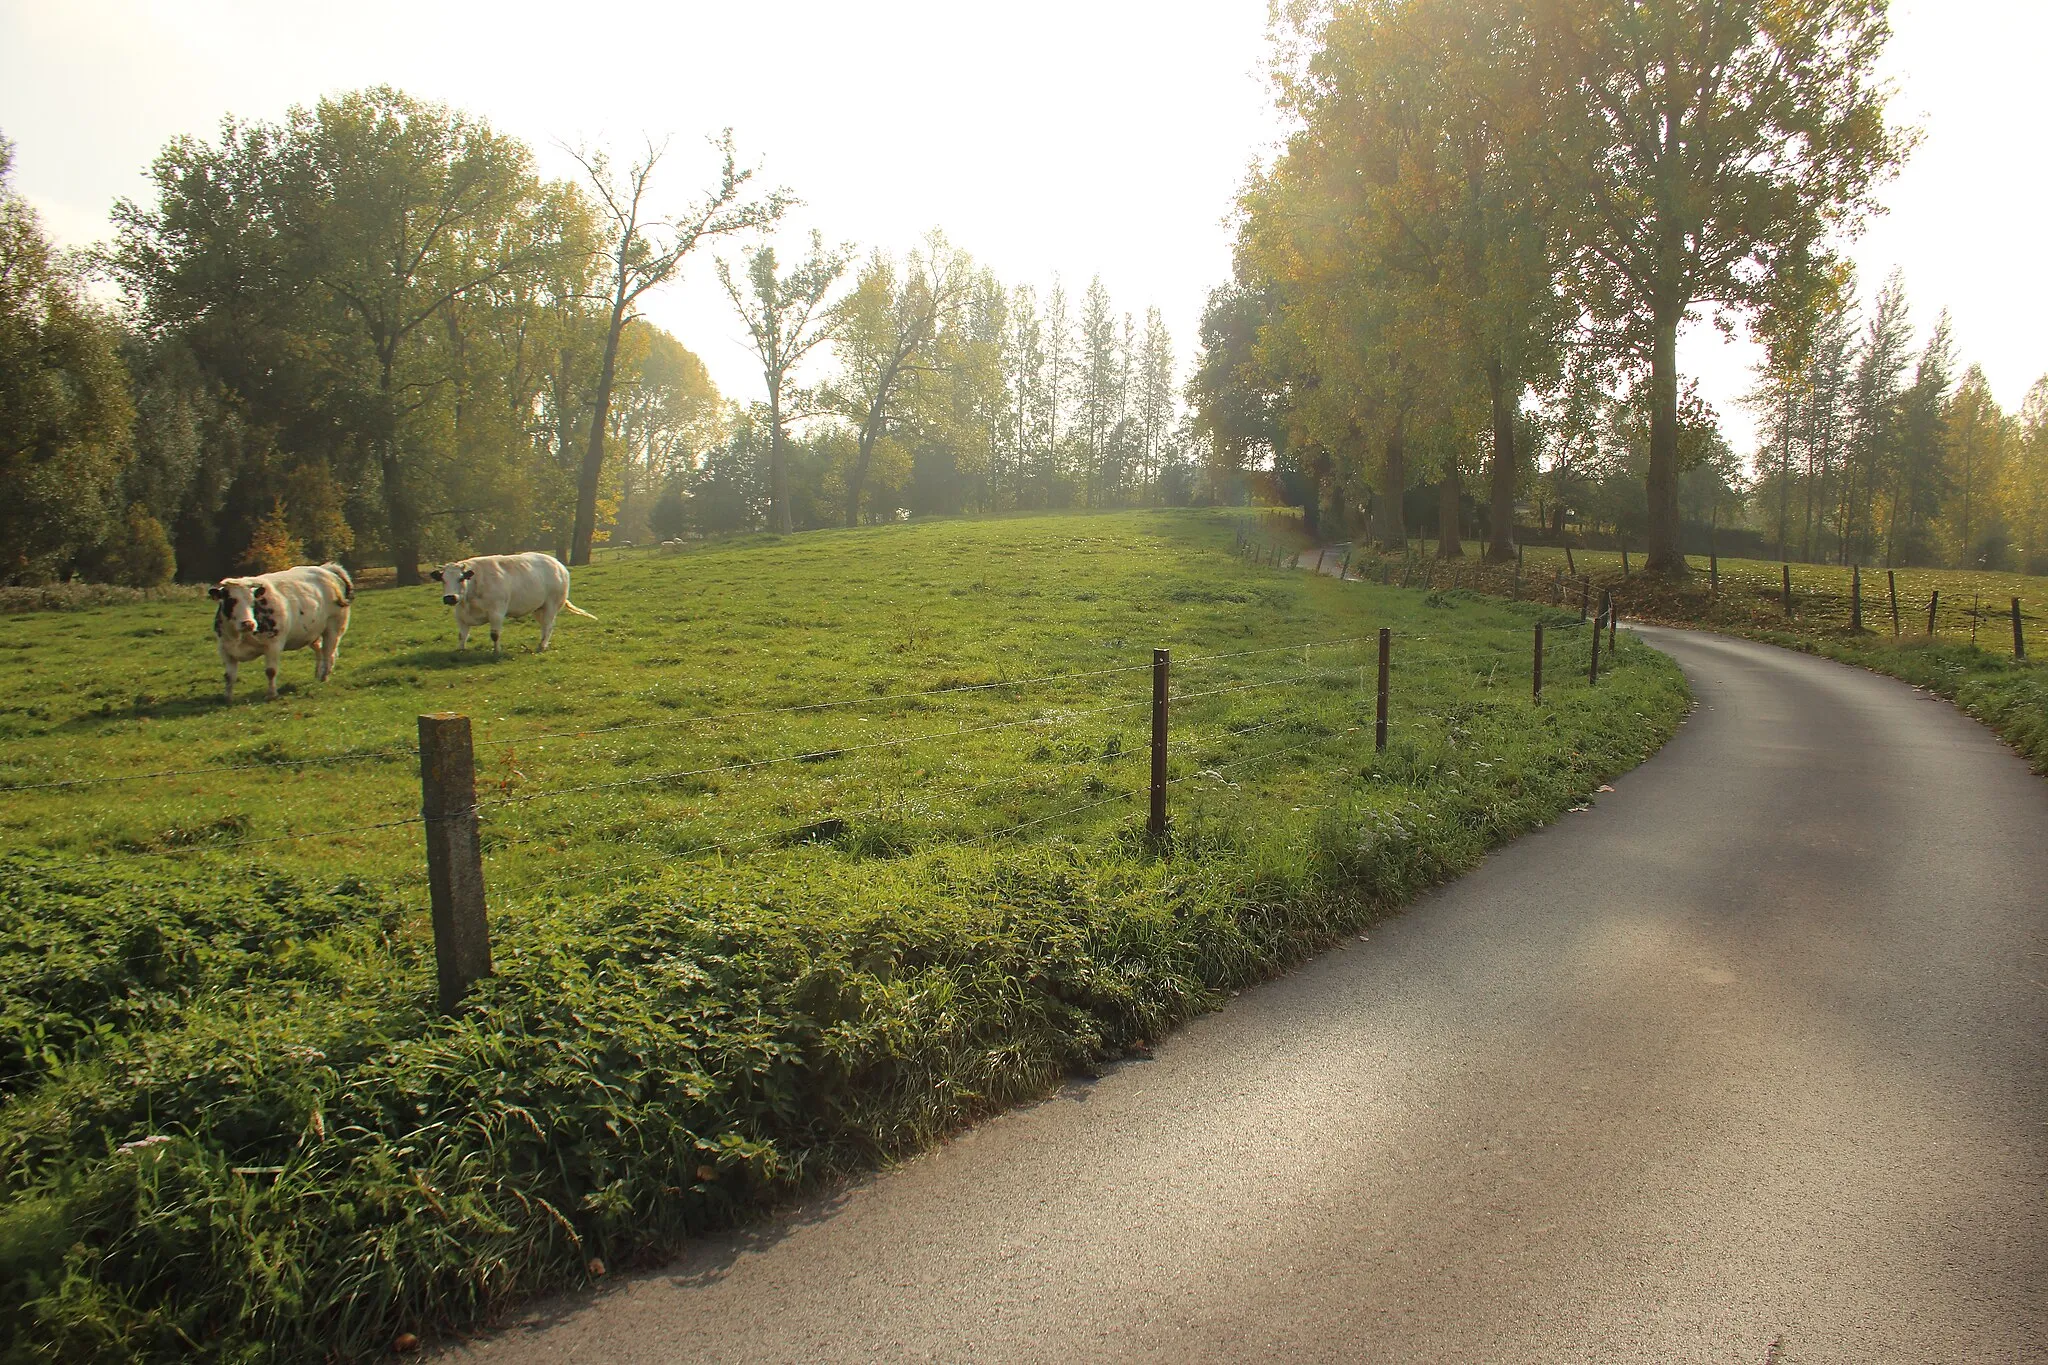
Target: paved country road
<point x="1748" y="1063"/>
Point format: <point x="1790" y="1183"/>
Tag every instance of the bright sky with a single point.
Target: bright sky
<point x="1080" y="138"/>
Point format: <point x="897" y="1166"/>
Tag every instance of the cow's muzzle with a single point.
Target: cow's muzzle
<point x="449" y="598"/>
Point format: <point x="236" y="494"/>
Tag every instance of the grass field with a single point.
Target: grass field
<point x="808" y="851"/>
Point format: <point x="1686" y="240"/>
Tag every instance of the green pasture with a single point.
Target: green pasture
<point x="739" y="945"/>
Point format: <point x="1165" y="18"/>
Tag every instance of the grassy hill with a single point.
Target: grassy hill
<point x="808" y="851"/>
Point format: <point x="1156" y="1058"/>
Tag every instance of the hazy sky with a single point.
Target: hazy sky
<point x="1079" y="138"/>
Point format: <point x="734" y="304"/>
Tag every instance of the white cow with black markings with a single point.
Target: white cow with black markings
<point x="490" y="588"/>
<point x="262" y="616"/>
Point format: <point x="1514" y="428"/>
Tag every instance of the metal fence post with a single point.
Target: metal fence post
<point x="1379" y="725"/>
<point x="455" y="860"/>
<point x="1593" y="671"/>
<point x="1162" y="662"/>
<point x="1537" y="671"/>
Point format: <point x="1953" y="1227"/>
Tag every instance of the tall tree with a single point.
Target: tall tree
<point x="787" y="318"/>
<point x="1703" y="151"/>
<point x="65" y="412"/>
<point x="641" y="253"/>
<point x="884" y="330"/>
<point x="391" y="208"/>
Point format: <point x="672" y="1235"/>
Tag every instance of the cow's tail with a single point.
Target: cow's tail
<point x="348" y="585"/>
<point x="567" y="605"/>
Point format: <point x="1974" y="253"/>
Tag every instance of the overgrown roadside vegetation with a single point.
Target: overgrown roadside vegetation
<point x="232" y="1126"/>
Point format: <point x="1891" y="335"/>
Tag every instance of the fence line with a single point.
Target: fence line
<point x="811" y="755"/>
<point x="104" y="779"/>
<point x="217" y="845"/>
<point x="448" y="788"/>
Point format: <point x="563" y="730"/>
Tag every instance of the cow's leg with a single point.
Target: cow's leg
<point x="271" y="659"/>
<point x="497" y="629"/>
<point x="546" y="616"/>
<point x="461" y="635"/>
<point x="230" y="668"/>
<point x="330" y="641"/>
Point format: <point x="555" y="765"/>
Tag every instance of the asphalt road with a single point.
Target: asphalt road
<point x="1748" y="1063"/>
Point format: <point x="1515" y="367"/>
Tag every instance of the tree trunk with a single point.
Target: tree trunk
<point x="1663" y="554"/>
<point x="778" y="471"/>
<point x="1393" y="527"/>
<point x="588" y="477"/>
<point x="859" y="474"/>
<point x="400" y="516"/>
<point x="1506" y="464"/>
<point x="1450" y="503"/>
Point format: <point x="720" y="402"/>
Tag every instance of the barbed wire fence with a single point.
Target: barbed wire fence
<point x="1196" y="740"/>
<point x="1841" y="597"/>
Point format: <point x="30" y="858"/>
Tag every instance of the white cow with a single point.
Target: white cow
<point x="262" y="616"/>
<point x="493" y="587"/>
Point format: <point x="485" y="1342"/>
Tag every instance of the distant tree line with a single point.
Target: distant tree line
<point x="1472" y="257"/>
<point x="371" y="331"/>
<point x="1875" y="450"/>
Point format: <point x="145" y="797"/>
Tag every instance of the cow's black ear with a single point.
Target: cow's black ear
<point x="217" y="591"/>
<point x="258" y="592"/>
<point x="468" y="574"/>
<point x="435" y="575"/>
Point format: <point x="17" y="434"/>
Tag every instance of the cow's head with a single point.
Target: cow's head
<point x="244" y="605"/>
<point x="454" y="580"/>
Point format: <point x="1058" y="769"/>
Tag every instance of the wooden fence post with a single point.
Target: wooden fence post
<point x="1856" y="599"/>
<point x="1585" y="598"/>
<point x="1537" y="671"/>
<point x="1379" y="724"/>
<point x="1344" y="570"/>
<point x="1593" y="673"/>
<point x="1624" y="559"/>
<point x="1713" y="572"/>
<point x="1607" y="604"/>
<point x="2019" y="641"/>
<point x="1786" y="569"/>
<point x="1933" y="602"/>
<point x="1162" y="663"/>
<point x="1570" y="567"/>
<point x="455" y="860"/>
<point x="1891" y="583"/>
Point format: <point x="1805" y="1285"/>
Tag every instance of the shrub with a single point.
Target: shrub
<point x="273" y="546"/>
<point x="142" y="556"/>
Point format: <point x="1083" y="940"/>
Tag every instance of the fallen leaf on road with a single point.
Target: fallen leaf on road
<point x="1607" y="789"/>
